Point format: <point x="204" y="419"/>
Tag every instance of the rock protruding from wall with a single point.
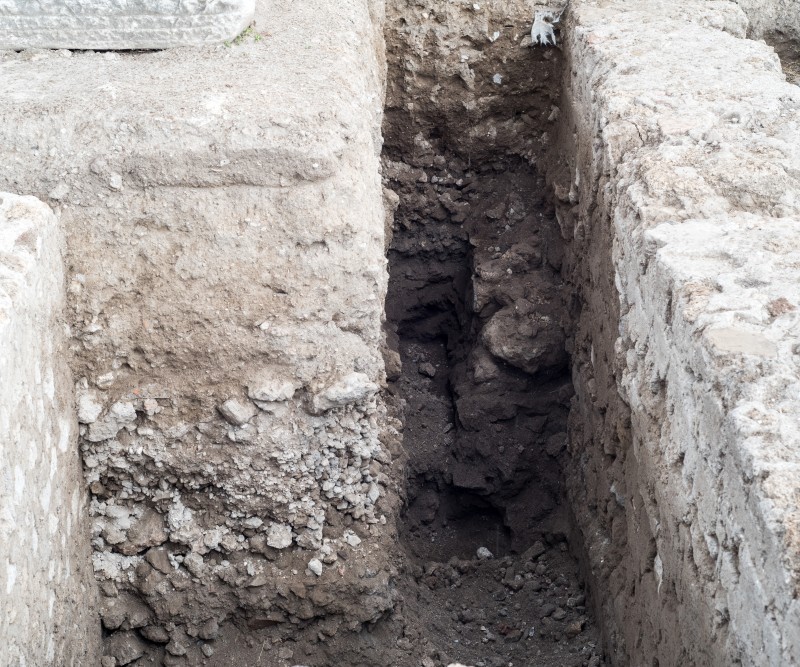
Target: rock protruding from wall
<point x="111" y="24"/>
<point x="224" y="221"/>
<point x="768" y="17"/>
<point x="48" y="614"/>
<point x="683" y="190"/>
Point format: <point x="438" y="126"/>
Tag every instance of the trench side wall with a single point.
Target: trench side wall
<point x="48" y="611"/>
<point x="679" y="202"/>
<point x="224" y="229"/>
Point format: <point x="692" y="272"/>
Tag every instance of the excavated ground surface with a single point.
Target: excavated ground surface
<point x="478" y="320"/>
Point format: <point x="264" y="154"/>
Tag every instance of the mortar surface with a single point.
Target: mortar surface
<point x="683" y="190"/>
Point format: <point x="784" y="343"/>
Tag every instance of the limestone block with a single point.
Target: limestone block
<point x="686" y="357"/>
<point x="129" y="24"/>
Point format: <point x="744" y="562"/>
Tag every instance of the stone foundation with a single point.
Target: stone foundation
<point x="48" y="601"/>
<point x="681" y="200"/>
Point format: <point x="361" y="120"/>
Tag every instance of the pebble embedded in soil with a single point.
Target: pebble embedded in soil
<point x="427" y="369"/>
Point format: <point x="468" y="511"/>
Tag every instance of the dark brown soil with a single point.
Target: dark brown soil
<point x="484" y="440"/>
<point x="483" y="434"/>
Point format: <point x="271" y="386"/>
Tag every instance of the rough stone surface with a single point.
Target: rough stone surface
<point x="111" y="24"/>
<point x="46" y="587"/>
<point x="219" y="231"/>
<point x="682" y="191"/>
<point x="768" y="17"/>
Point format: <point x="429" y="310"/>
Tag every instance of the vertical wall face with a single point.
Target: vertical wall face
<point x="681" y="203"/>
<point x="224" y="224"/>
<point x="47" y="591"/>
<point x="767" y="17"/>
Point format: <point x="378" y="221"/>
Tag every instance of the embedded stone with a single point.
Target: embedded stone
<point x="279" y="536"/>
<point x="236" y="412"/>
<point x="125" y="647"/>
<point x="155" y="633"/>
<point x="89" y="408"/>
<point x="350" y="389"/>
<point x="147" y="531"/>
<point x="119" y="415"/>
<point x="268" y="387"/>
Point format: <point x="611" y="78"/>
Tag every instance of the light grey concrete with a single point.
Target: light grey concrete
<point x="48" y="611"/>
<point x="687" y="174"/>
<point x="120" y="24"/>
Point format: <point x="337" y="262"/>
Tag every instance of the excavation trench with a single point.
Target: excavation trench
<point x="560" y="358"/>
<point x="477" y="313"/>
<point x="478" y="322"/>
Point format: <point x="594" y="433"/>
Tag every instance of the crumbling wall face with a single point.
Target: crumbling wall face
<point x="226" y="287"/>
<point x="681" y="203"/>
<point x="47" y="592"/>
<point x="770" y="16"/>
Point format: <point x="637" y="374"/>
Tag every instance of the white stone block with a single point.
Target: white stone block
<point x="121" y="24"/>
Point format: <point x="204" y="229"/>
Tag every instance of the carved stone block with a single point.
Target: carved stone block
<point x="120" y="24"/>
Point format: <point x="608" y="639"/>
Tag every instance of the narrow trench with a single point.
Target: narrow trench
<point x="476" y="310"/>
<point x="478" y="317"/>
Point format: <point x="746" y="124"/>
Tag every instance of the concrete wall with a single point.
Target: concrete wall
<point x="682" y="203"/>
<point x="47" y="593"/>
<point x="224" y="222"/>
<point x="769" y="16"/>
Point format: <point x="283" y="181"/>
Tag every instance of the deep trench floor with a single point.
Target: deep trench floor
<point x="511" y="609"/>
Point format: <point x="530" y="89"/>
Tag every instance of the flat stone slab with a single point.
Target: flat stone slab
<point x="121" y="24"/>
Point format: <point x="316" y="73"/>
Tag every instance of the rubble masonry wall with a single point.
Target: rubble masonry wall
<point x="48" y="591"/>
<point x="682" y="200"/>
